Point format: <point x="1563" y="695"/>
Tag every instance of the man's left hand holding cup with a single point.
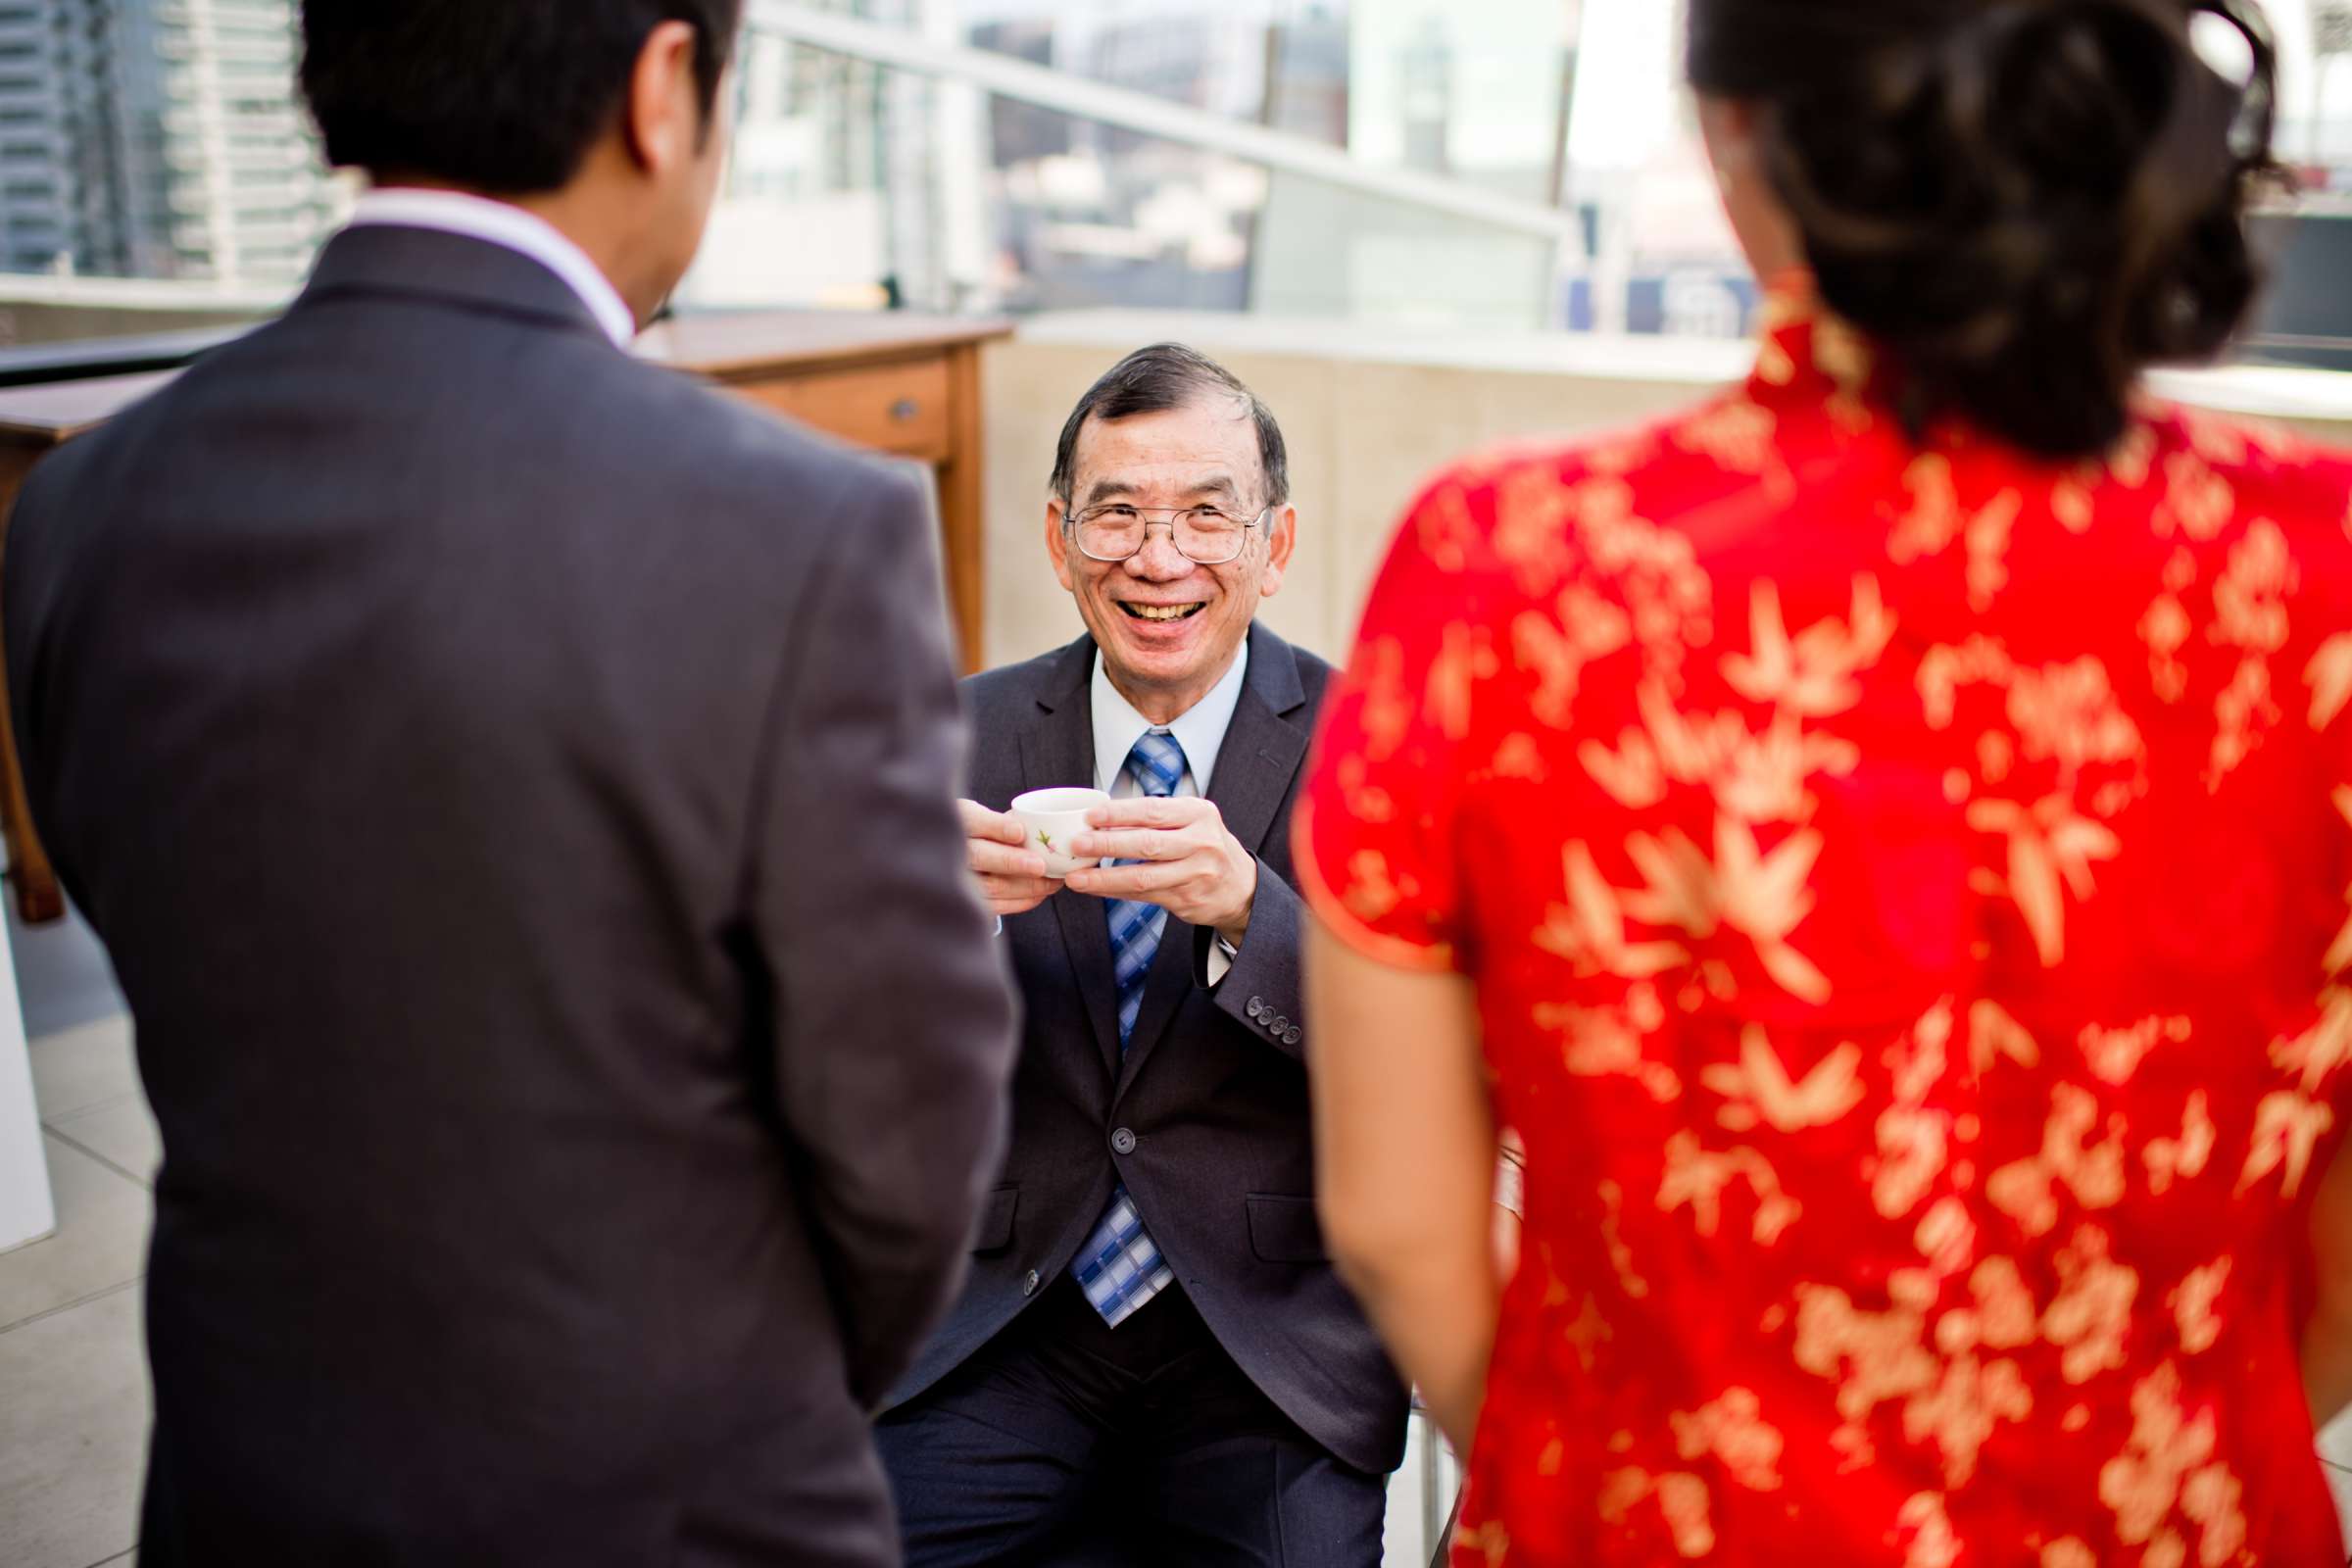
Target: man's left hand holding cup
<point x="1190" y="865"/>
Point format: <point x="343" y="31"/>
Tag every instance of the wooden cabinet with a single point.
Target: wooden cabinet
<point x="898" y="383"/>
<point x="891" y="408"/>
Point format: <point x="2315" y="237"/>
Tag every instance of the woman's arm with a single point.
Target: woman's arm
<point x="1404" y="1166"/>
<point x="2327" y="1340"/>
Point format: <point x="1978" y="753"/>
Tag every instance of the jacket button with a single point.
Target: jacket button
<point x="1257" y="1007"/>
<point x="1029" y="1285"/>
<point x="1290" y="1035"/>
<point x="1122" y="1142"/>
<point x="1279" y="1025"/>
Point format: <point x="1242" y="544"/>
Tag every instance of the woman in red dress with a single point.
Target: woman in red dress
<point x="1883" y="838"/>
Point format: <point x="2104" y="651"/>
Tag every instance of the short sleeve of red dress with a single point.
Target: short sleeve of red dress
<point x="1377" y="823"/>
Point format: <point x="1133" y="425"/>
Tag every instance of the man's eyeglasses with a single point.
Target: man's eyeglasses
<point x="1206" y="536"/>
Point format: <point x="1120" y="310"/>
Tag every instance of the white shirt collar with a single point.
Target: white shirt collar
<point x="504" y="224"/>
<point x="1201" y="731"/>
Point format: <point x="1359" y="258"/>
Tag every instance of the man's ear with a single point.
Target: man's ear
<point x="1282" y="537"/>
<point x="1058" y="542"/>
<point x="661" y="124"/>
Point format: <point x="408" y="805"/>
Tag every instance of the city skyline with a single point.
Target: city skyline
<point x="158" y="138"/>
<point x="164" y="140"/>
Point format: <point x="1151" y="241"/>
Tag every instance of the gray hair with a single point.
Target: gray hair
<point x="1154" y="380"/>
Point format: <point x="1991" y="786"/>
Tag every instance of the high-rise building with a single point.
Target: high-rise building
<point x="158" y="138"/>
<point x="830" y="146"/>
<point x="215" y="171"/>
<point x="1308" y="56"/>
<point x="36" y="227"/>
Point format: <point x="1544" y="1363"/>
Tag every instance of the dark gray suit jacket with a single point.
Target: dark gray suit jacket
<point x="1212" y="1086"/>
<point x="513" y="783"/>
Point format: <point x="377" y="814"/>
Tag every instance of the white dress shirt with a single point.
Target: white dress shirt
<point x="510" y="227"/>
<point x="1200" y="730"/>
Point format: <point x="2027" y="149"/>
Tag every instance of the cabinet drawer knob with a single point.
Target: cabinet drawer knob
<point x="904" y="409"/>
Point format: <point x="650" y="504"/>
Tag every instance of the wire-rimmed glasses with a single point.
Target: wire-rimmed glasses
<point x="1206" y="536"/>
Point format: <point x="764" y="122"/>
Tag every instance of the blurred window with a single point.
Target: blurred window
<point x="1477" y="165"/>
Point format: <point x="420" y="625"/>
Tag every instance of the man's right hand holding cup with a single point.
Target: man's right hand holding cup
<point x="1012" y="876"/>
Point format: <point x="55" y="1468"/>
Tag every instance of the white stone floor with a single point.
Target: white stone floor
<point x="74" y="1396"/>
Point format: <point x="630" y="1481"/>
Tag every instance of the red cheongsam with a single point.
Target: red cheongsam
<point x="1905" y="885"/>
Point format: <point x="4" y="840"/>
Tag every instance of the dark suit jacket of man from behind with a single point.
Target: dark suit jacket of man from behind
<point x="1212" y="1086"/>
<point x="514" y="785"/>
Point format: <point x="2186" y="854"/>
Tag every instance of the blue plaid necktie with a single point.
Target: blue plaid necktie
<point x="1120" y="1267"/>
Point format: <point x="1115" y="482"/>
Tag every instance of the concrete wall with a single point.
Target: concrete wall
<point x="38" y="309"/>
<point x="1369" y="421"/>
<point x="31" y="325"/>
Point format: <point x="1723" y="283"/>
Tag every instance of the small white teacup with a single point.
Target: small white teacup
<point x="1053" y="817"/>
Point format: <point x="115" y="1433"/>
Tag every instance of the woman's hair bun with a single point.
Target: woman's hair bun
<point x="2025" y="202"/>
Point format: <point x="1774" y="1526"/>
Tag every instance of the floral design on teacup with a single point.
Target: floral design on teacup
<point x="1053" y="817"/>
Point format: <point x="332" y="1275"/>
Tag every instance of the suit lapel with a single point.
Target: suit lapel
<point x="1263" y="747"/>
<point x="1057" y="751"/>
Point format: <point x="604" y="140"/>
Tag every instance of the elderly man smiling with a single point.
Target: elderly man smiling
<point x="1152" y="1360"/>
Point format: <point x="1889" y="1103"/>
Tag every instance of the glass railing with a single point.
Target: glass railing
<point x="1464" y="164"/>
<point x="1472" y="163"/>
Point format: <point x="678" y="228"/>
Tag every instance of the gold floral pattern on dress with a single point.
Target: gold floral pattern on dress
<point x="2339" y="951"/>
<point x="2192" y="1302"/>
<point x="1736" y="433"/>
<point x="1812" y="675"/>
<point x="2115" y="1054"/>
<point x="2198" y="503"/>
<point x="2329" y="678"/>
<point x="1447" y="532"/>
<point x="2323" y="1049"/>
<point x="1743" y="889"/>
<point x="1757" y="1088"/>
<point x="1612" y="1232"/>
<point x="2165" y="630"/>
<point x="1996" y="1037"/>
<point x="1366" y="802"/>
<point x="2091" y="1315"/>
<point x="1532" y="533"/>
<point x="1387" y="710"/>
<point x="1489" y="1543"/>
<point x="1588" y="1331"/>
<point x="2287" y="1128"/>
<point x="2168" y="1469"/>
<point x="1754" y="776"/>
<point x="1925" y="1528"/>
<point x="1588" y="929"/>
<point x="1556" y="648"/>
<point x="1372" y="894"/>
<point x="1912" y="1137"/>
<point x="2052" y="849"/>
<point x="2182" y="1158"/>
<point x="1951" y="1397"/>
<point x="2090" y="1173"/>
<point x="1670" y="597"/>
<point x="1467" y="657"/>
<point x="2069" y="713"/>
<point x="1935" y="517"/>
<point x="1733" y="1429"/>
<point x="2249" y="614"/>
<point x="1609" y="1042"/>
<point x="1681" y="1499"/>
<point x="1696" y="1178"/>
